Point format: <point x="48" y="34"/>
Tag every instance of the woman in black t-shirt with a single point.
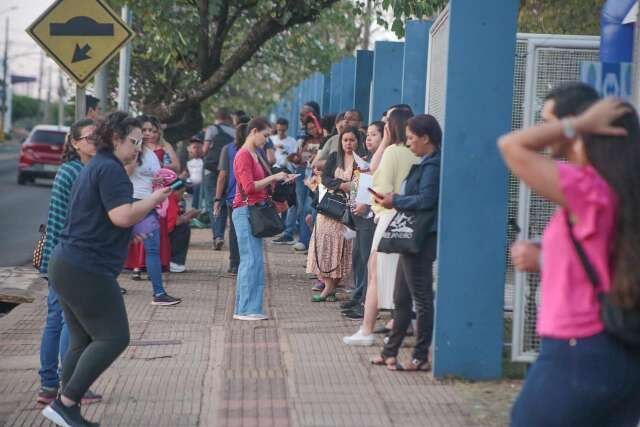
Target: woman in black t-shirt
<point x="91" y="253"/>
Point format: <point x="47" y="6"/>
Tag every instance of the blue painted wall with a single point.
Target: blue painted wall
<point x="473" y="204"/>
<point x="414" y="80"/>
<point x="362" y="87"/>
<point x="348" y="81"/>
<point x="336" y="87"/>
<point x="326" y="94"/>
<point x="386" y="89"/>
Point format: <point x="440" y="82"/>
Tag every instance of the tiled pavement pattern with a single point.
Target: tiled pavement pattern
<point x="191" y="365"/>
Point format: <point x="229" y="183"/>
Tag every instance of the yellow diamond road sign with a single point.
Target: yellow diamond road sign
<point x="80" y="35"/>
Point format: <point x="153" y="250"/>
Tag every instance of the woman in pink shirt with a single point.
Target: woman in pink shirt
<point x="584" y="376"/>
<point x="252" y="181"/>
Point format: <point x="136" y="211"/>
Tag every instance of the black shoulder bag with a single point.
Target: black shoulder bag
<point x="620" y="322"/>
<point x="263" y="218"/>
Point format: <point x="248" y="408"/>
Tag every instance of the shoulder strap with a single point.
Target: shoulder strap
<point x="584" y="259"/>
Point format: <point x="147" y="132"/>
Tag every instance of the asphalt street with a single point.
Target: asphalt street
<point x="22" y="209"/>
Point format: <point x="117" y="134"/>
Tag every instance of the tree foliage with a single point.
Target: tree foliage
<point x="560" y="17"/>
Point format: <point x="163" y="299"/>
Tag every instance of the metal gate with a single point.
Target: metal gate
<point x="542" y="62"/>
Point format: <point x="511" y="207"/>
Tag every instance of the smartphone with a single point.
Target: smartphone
<point x="177" y="184"/>
<point x="376" y="194"/>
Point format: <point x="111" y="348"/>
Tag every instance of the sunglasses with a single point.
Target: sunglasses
<point x="136" y="142"/>
<point x="90" y="138"/>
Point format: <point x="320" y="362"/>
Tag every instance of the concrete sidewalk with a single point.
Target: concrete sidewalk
<point x="191" y="365"/>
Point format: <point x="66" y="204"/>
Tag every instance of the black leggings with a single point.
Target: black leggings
<point x="414" y="283"/>
<point x="97" y="320"/>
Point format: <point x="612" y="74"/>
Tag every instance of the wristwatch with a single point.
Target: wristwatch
<point x="568" y="130"/>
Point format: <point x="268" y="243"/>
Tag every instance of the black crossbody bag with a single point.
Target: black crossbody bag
<point x="620" y="322"/>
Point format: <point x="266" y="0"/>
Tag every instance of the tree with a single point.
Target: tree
<point x="560" y="17"/>
<point x="188" y="50"/>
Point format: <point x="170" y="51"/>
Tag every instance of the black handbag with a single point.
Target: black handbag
<point x="407" y="232"/>
<point x="620" y="322"/>
<point x="333" y="205"/>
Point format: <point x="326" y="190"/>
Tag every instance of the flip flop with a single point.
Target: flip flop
<point x="381" y="360"/>
<point x="320" y="298"/>
<point x="420" y="366"/>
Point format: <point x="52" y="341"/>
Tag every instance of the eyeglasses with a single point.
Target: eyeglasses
<point x="136" y="142"/>
<point x="90" y="138"/>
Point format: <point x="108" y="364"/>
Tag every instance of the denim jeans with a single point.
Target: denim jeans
<point x="54" y="344"/>
<point x="250" y="280"/>
<point x="365" y="228"/>
<point x="195" y="194"/>
<point x="217" y="223"/>
<point x="584" y="382"/>
<point x="153" y="262"/>
<point x="220" y="222"/>
<point x="291" y="221"/>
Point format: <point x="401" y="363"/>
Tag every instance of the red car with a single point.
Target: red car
<point x="41" y="153"/>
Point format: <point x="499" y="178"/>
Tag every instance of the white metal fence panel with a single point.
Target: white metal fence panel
<point x="437" y="66"/>
<point x="549" y="61"/>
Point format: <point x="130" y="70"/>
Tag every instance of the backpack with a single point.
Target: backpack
<point x="215" y="147"/>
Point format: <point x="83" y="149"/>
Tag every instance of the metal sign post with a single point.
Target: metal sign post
<point x="81" y="103"/>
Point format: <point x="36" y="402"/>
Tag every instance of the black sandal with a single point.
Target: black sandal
<point x="381" y="360"/>
<point x="419" y="365"/>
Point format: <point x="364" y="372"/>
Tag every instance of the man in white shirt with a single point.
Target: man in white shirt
<point x="284" y="144"/>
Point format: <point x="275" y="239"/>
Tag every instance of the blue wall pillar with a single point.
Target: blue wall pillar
<point x="386" y="89"/>
<point x="336" y="87"/>
<point x="348" y="81"/>
<point x="414" y="78"/>
<point x="473" y="201"/>
<point x="362" y="88"/>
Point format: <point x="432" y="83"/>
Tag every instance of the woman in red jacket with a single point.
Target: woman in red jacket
<point x="252" y="180"/>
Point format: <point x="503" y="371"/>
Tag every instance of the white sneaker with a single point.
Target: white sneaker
<point x="299" y="247"/>
<point x="359" y="339"/>
<point x="250" y="317"/>
<point x="176" y="268"/>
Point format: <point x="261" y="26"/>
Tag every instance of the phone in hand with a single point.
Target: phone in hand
<point x="177" y="184"/>
<point x="375" y="193"/>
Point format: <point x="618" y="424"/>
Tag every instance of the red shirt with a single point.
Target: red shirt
<point x="247" y="171"/>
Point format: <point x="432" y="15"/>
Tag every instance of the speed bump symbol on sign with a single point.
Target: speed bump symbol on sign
<point x="80" y="36"/>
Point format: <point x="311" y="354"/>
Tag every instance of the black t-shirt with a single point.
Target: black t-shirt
<point x="90" y="241"/>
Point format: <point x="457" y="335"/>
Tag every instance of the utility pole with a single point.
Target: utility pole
<point x="60" y="99"/>
<point x="40" y="77"/>
<point x="5" y="76"/>
<point x="47" y="106"/>
<point x="100" y="84"/>
<point x="125" y="66"/>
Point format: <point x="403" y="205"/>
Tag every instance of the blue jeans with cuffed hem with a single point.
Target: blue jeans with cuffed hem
<point x="153" y="262"/>
<point x="250" y="279"/>
<point x="586" y="382"/>
<point x="54" y="343"/>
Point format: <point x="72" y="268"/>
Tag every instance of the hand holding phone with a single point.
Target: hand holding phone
<point x="375" y="193"/>
<point x="291" y="177"/>
<point x="177" y="184"/>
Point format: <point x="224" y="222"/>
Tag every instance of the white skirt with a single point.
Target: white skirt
<point x="386" y="264"/>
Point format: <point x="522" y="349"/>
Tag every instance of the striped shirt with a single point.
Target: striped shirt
<point x="59" y="207"/>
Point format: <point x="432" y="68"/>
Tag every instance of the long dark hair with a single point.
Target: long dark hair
<point x="241" y="135"/>
<point x="426" y="125"/>
<point x="117" y="124"/>
<point x="397" y="125"/>
<point x="617" y="160"/>
<point x="359" y="149"/>
<point x="69" y="152"/>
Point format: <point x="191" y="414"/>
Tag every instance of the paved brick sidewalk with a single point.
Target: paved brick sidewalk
<point x="191" y="365"/>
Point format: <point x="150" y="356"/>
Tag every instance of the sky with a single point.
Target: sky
<point x="25" y="54"/>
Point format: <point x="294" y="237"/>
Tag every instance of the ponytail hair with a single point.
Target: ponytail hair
<point x="69" y="152"/>
<point x="241" y="134"/>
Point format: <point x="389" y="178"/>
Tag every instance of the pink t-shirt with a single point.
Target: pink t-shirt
<point x="569" y="306"/>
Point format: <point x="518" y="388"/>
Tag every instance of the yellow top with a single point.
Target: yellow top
<point x="393" y="170"/>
